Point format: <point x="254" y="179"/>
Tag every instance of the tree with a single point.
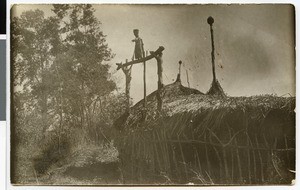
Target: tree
<point x="35" y="43"/>
<point x="83" y="75"/>
<point x="63" y="91"/>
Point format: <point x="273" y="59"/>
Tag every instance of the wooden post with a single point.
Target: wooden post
<point x="160" y="85"/>
<point x="127" y="71"/>
<point x="210" y="21"/>
<point x="145" y="90"/>
<point x="159" y="70"/>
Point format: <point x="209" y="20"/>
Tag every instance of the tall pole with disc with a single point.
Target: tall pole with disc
<point x="210" y="21"/>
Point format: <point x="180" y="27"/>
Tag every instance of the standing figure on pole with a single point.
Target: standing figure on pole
<point x="139" y="46"/>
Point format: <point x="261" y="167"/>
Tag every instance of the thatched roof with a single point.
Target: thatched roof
<point x="224" y="140"/>
<point x="180" y="99"/>
<point x="168" y="92"/>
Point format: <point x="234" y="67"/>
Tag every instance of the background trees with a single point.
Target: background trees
<point x="62" y="89"/>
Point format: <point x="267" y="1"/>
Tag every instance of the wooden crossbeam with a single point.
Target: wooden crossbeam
<point x="142" y="60"/>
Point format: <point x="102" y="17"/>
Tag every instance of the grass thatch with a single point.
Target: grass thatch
<point x="207" y="139"/>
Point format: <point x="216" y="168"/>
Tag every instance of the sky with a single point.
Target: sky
<point x="254" y="45"/>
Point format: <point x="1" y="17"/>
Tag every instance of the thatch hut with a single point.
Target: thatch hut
<point x="204" y="139"/>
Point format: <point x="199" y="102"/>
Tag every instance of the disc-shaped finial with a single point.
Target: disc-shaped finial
<point x="180" y="62"/>
<point x="210" y="20"/>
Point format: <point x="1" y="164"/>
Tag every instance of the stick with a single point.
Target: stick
<point x="218" y="156"/>
<point x="36" y="178"/>
<point x="232" y="164"/>
<point x="163" y="151"/>
<point x="183" y="160"/>
<point x="187" y="78"/>
<point x="287" y="153"/>
<point x="238" y="160"/>
<point x="198" y="160"/>
<point x="175" y="161"/>
<point x="275" y="164"/>
<point x="225" y="164"/>
<point x="157" y="155"/>
<point x="249" y="161"/>
<point x="132" y="156"/>
<point x="254" y="159"/>
<point x="207" y="159"/>
<point x="167" y="150"/>
<point x="260" y="159"/>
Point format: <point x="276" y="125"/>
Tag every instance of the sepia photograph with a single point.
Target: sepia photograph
<point x="152" y="94"/>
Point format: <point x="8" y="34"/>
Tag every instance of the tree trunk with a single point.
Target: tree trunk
<point x="43" y="103"/>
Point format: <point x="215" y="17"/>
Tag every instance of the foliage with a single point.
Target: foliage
<point x="63" y="92"/>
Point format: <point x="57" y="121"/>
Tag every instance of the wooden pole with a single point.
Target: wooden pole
<point x="127" y="71"/>
<point x="145" y="90"/>
<point x="159" y="70"/>
<point x="210" y="21"/>
<point x="160" y="85"/>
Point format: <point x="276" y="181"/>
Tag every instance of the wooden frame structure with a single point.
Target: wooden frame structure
<point x="126" y="67"/>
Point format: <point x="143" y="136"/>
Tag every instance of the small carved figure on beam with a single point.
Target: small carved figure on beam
<point x="139" y="46"/>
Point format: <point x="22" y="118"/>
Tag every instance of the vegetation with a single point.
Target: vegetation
<point x="63" y="96"/>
